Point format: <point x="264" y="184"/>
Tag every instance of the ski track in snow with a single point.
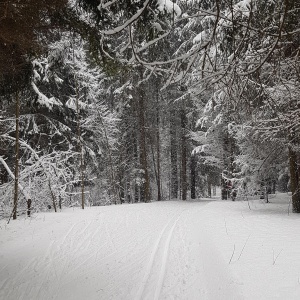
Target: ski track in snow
<point x="170" y="250"/>
<point x="105" y="253"/>
<point x="163" y="239"/>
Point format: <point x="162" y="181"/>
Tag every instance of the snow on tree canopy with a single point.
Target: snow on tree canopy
<point x="44" y="100"/>
<point x="202" y="37"/>
<point x="169" y="6"/>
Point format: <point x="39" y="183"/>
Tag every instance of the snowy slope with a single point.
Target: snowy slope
<point x="161" y="250"/>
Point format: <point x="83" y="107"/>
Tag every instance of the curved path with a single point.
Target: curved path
<point x="140" y="251"/>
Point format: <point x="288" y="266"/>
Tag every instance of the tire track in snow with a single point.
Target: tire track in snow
<point x="154" y="254"/>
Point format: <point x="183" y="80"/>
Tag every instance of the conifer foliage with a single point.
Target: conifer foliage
<point x="113" y="101"/>
<point x="21" y="26"/>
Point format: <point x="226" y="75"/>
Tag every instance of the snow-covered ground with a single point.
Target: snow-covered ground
<point x="161" y="250"/>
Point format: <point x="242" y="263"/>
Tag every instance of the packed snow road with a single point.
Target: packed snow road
<point x="140" y="251"/>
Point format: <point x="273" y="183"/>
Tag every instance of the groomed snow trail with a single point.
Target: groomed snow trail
<point x="140" y="251"/>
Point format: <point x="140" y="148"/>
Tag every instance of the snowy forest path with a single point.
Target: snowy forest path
<point x="162" y="243"/>
<point x="143" y="251"/>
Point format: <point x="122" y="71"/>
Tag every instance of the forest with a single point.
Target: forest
<point x="117" y="101"/>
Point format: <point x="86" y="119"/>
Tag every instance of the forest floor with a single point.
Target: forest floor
<point x="160" y="250"/>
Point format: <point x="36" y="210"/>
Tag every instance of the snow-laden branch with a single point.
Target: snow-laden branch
<point x="106" y="5"/>
<point x="44" y="100"/>
<point x="2" y="161"/>
<point x="128" y="22"/>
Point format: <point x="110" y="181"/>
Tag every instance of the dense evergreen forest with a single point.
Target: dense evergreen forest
<point x="112" y="101"/>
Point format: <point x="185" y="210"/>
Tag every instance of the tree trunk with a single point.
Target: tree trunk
<point x="294" y="172"/>
<point x="17" y="146"/>
<point x="183" y="180"/>
<point x="28" y="207"/>
<point x="228" y="161"/>
<point x="135" y="195"/>
<point x="52" y="195"/>
<point x="214" y="190"/>
<point x="79" y="142"/>
<point x="145" y="191"/>
<point x="224" y="192"/>
<point x="82" y="179"/>
<point x="59" y="202"/>
<point x="126" y="188"/>
<point x="208" y="187"/>
<point x="158" y="154"/>
<point x="273" y="188"/>
<point x="173" y="154"/>
<point x="193" y="177"/>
